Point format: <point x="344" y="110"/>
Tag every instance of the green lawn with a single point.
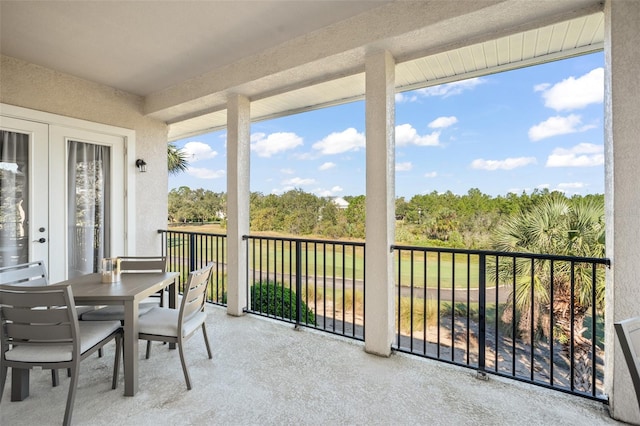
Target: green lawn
<point x="329" y="260"/>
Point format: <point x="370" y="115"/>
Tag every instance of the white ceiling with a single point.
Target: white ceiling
<point x="142" y="47"/>
<point x="185" y="57"/>
<point x="564" y="39"/>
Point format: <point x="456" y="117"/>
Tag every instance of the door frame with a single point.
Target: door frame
<point x="129" y="140"/>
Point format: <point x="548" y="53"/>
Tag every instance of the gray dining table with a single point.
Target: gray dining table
<point x="89" y="290"/>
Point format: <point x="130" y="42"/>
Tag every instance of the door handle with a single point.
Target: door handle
<point x="40" y="240"/>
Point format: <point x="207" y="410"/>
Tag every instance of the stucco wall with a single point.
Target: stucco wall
<point x="622" y="198"/>
<point x="30" y="86"/>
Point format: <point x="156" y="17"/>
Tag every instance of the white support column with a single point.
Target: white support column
<point x="380" y="204"/>
<point x="238" y="155"/>
<point x="622" y="196"/>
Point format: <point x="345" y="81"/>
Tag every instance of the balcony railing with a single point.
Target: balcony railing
<point x="312" y="283"/>
<point x="530" y="317"/>
<point x="188" y="251"/>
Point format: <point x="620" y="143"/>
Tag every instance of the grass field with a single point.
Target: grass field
<point x="345" y="260"/>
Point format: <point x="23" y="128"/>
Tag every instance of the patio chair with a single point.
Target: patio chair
<point x="176" y="326"/>
<point x="34" y="335"/>
<point x="628" y="332"/>
<point x="131" y="265"/>
<point x="27" y="275"/>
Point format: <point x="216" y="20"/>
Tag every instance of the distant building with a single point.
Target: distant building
<point x="340" y="202"/>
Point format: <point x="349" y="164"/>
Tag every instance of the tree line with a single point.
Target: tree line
<point x="435" y="219"/>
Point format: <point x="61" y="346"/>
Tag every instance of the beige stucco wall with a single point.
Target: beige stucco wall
<point x="29" y="86"/>
<point x="622" y="198"/>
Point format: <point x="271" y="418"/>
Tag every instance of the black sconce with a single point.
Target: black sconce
<point x="141" y="165"/>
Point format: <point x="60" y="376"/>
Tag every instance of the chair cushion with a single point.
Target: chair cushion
<point x="114" y="312"/>
<point x="164" y="322"/>
<point x="91" y="333"/>
<point x="84" y="309"/>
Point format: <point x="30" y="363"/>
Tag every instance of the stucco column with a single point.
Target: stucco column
<point x="622" y="196"/>
<point x="238" y="154"/>
<point x="380" y="205"/>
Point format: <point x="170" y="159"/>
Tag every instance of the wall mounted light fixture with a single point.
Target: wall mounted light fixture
<point x="141" y="165"/>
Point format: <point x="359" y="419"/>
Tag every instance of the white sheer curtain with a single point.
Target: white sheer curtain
<point x="88" y="198"/>
<point x="14" y="198"/>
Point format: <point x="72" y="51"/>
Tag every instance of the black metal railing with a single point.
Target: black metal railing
<point x="188" y="251"/>
<point x="530" y="317"/>
<point x="312" y="283"/>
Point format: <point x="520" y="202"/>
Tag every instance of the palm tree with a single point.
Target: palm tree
<point x="561" y="227"/>
<point x="177" y="159"/>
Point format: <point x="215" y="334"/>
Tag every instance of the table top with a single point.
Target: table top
<point x="132" y="286"/>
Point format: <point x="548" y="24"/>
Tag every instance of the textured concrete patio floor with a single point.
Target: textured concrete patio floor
<point x="264" y="372"/>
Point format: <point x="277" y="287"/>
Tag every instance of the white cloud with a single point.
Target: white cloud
<point x="404" y="167"/>
<point x="558" y="125"/>
<point x="198" y="151"/>
<point x="297" y="181"/>
<point x="541" y="87"/>
<point x="442" y="122"/>
<point x="581" y="155"/>
<point x="320" y="192"/>
<point x="339" y="142"/>
<point x="287" y="171"/>
<point x="407" y="135"/>
<point x="266" y="146"/>
<point x="326" y="166"/>
<point x="203" y="173"/>
<point x="431" y="174"/>
<point x="506" y="164"/>
<point x="571" y="185"/>
<point x="451" y="89"/>
<point x="574" y="93"/>
<point x="401" y="98"/>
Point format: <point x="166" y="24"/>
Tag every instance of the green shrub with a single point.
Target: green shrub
<point x="274" y="299"/>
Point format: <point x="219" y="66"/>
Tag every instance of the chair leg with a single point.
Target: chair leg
<point x="206" y="340"/>
<point x="100" y="353"/>
<point x="116" y="362"/>
<point x="73" y="385"/>
<point x="3" y="379"/>
<point x="55" y="377"/>
<point x="148" y="353"/>
<point x="184" y="365"/>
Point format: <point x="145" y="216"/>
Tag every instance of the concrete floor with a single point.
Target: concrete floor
<point x="265" y="373"/>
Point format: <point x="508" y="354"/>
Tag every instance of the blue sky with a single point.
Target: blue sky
<point x="536" y="127"/>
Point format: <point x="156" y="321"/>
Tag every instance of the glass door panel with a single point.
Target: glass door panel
<point x="87" y="199"/>
<point x="23" y="192"/>
<point x="14" y="196"/>
<point x="88" y="183"/>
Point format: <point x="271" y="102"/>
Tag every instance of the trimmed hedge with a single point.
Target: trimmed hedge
<point x="274" y="299"/>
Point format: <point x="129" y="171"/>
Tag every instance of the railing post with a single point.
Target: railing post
<point x="482" y="305"/>
<point x="298" y="282"/>
<point x="192" y="252"/>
